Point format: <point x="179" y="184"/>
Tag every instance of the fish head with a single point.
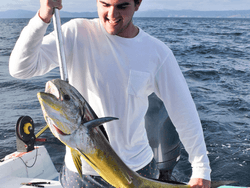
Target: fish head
<point x="63" y="107"/>
<point x="69" y="116"/>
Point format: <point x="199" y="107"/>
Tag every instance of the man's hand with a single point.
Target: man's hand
<point x="46" y="9"/>
<point x="199" y="183"/>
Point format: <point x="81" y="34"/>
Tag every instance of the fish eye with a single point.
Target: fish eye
<point x="66" y="97"/>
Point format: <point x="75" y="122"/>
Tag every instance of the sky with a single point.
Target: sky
<point x="90" y="5"/>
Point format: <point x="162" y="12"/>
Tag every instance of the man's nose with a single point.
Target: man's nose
<point x="113" y="12"/>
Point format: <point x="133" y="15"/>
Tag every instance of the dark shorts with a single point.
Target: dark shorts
<point x="71" y="179"/>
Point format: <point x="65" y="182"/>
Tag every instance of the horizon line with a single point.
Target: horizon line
<point x="137" y="11"/>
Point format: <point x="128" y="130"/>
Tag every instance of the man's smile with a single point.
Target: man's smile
<point x="113" y="22"/>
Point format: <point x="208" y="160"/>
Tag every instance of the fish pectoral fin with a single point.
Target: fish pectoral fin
<point x="77" y="160"/>
<point x="97" y="122"/>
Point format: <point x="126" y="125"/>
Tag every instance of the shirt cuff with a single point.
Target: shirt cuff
<point x="37" y="22"/>
<point x="203" y="173"/>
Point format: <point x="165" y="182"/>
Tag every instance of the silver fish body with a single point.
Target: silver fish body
<point x="72" y="121"/>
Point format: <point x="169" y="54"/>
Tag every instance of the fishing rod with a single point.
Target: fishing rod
<point x="60" y="53"/>
<point x="60" y="46"/>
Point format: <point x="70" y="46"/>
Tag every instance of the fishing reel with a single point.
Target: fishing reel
<point x="25" y="136"/>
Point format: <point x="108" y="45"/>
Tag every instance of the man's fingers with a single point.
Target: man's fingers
<point x="47" y="7"/>
<point x="55" y="4"/>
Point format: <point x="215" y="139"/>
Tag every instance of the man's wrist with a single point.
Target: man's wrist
<point x="45" y="20"/>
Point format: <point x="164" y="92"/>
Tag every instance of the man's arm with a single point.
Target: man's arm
<point x="172" y="88"/>
<point x="32" y="55"/>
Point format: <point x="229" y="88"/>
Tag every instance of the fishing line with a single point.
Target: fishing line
<point x="34" y="161"/>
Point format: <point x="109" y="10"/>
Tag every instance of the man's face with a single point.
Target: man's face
<point x="116" y="16"/>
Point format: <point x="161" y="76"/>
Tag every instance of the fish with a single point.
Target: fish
<point x="75" y="124"/>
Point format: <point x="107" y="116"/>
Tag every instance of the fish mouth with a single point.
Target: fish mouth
<point x="59" y="131"/>
<point x="42" y="96"/>
<point x="54" y="127"/>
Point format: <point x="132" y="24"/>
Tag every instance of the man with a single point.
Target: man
<point x="115" y="65"/>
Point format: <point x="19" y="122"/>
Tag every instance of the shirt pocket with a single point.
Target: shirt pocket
<point x="138" y="83"/>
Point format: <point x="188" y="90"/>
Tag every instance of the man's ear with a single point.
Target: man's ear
<point x="138" y="5"/>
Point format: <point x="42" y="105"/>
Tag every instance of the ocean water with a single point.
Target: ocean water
<point x="214" y="55"/>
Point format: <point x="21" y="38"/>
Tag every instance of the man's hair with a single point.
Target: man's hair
<point x="136" y="2"/>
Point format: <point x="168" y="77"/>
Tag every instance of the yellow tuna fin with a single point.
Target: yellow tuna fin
<point x="77" y="160"/>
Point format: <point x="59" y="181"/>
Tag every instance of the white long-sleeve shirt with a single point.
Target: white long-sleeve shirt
<point x="116" y="75"/>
